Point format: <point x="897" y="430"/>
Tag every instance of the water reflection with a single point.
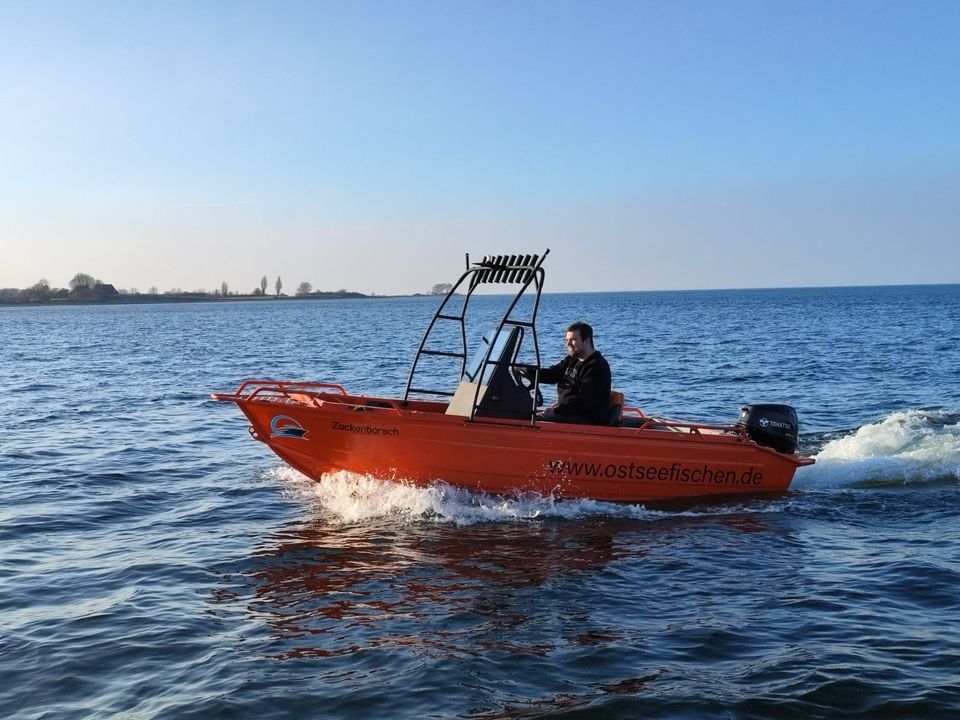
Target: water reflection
<point x="320" y="588"/>
<point x="528" y="617"/>
<point x="446" y="591"/>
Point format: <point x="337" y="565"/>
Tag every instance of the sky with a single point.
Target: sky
<point x="653" y="144"/>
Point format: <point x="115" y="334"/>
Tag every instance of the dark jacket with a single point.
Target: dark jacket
<point x="583" y="387"/>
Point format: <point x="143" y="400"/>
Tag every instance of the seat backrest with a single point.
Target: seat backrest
<point x="615" y="408"/>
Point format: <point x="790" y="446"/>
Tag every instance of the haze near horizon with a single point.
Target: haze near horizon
<point x="369" y="145"/>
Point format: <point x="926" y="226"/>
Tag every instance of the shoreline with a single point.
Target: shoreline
<point x="180" y="299"/>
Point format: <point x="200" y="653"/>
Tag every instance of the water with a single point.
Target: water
<point x="155" y="562"/>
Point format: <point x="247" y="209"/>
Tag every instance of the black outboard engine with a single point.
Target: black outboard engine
<point x="774" y="426"/>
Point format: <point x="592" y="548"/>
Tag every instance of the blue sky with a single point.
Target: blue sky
<point x="368" y="145"/>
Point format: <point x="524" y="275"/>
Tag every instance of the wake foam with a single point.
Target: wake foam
<point x="349" y="498"/>
<point x="913" y="446"/>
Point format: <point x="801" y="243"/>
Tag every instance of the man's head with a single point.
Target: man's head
<point x="579" y="340"/>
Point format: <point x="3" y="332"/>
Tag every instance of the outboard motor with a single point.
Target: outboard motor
<point x="774" y="426"/>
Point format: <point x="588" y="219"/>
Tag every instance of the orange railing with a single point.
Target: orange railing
<point x="653" y="423"/>
<point x="290" y="392"/>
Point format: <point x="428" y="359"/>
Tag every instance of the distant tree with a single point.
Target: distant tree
<point x="304" y="289"/>
<point x="278" y="285"/>
<point x="224" y="290"/>
<point x="441" y="289"/>
<point x="153" y="290"/>
<point x="134" y="291"/>
<point x="40" y="290"/>
<point x="82" y="280"/>
<point x="263" y="285"/>
<point x="257" y="291"/>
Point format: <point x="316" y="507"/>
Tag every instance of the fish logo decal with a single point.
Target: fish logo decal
<point x="283" y="426"/>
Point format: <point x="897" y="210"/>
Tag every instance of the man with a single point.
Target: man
<point x="582" y="379"/>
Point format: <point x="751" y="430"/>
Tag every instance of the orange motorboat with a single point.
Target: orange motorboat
<point x="484" y="434"/>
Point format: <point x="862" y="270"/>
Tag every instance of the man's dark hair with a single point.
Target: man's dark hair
<point x="586" y="332"/>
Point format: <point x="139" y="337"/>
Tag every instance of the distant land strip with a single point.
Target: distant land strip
<point x="86" y="290"/>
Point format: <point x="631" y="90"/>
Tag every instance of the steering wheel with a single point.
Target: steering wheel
<point x="526" y="381"/>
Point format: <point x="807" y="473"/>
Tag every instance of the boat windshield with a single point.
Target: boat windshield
<point x="503" y="349"/>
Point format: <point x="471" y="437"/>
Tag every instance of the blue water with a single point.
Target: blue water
<point x="156" y="562"/>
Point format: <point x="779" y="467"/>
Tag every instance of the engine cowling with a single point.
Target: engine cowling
<point x="774" y="426"/>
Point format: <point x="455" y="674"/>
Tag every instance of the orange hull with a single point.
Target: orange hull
<point x="318" y="431"/>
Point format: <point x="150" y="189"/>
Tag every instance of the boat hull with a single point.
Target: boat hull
<point x="416" y="442"/>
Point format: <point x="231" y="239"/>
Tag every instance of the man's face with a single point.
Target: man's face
<point x="576" y="346"/>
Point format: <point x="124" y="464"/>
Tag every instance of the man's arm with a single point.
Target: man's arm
<point x="553" y="374"/>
